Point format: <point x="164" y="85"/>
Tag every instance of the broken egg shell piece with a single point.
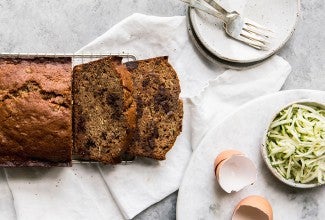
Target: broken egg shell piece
<point x="225" y="155"/>
<point x="253" y="207"/>
<point x="235" y="173"/>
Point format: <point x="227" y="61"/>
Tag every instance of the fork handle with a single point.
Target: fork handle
<point x="218" y="7"/>
<point x="198" y="5"/>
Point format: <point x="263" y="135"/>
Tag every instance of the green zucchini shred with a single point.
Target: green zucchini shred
<point x="296" y="143"/>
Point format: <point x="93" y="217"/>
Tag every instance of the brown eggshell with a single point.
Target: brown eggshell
<point x="256" y="207"/>
<point x="235" y="173"/>
<point x="225" y="155"/>
<point x="217" y="170"/>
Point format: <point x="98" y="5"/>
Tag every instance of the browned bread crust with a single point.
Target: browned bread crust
<point x="35" y="112"/>
<point x="159" y="109"/>
<point x="103" y="110"/>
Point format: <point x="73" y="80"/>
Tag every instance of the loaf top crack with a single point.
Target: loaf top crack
<point x="35" y="112"/>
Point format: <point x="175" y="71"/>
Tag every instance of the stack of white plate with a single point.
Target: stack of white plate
<point x="211" y="40"/>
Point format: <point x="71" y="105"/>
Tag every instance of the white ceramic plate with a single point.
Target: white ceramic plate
<point x="200" y="196"/>
<point x="279" y="15"/>
<point x="213" y="58"/>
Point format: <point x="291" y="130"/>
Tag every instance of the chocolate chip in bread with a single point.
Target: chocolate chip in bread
<point x="159" y="109"/>
<point x="35" y="112"/>
<point x="103" y="110"/>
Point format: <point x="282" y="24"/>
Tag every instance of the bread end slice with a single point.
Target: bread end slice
<point x="159" y="109"/>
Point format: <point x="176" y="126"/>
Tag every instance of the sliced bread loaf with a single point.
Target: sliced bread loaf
<point x="103" y="110"/>
<point x="159" y="109"/>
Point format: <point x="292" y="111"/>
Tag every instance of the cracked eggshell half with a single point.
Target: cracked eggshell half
<point x="234" y="171"/>
<point x="253" y="207"/>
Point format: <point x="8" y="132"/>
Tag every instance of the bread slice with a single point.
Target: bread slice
<point x="159" y="109"/>
<point x="103" y="110"/>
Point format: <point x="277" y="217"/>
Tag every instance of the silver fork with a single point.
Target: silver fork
<point x="239" y="28"/>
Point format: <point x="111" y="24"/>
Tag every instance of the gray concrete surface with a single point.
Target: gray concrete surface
<point x="67" y="25"/>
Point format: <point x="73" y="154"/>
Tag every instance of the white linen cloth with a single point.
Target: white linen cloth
<point x="232" y="89"/>
<point x="77" y="192"/>
<point x="123" y="191"/>
<point x="145" y="182"/>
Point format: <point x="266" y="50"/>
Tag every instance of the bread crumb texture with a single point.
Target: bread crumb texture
<point x="102" y="111"/>
<point x="159" y="109"/>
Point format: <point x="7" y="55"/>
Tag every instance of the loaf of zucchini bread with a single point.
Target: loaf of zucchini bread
<point x="35" y="112"/>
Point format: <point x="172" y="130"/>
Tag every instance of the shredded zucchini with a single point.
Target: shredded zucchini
<point x="296" y="143"/>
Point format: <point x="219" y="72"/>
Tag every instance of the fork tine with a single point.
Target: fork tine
<point x="256" y="25"/>
<point x="255" y="44"/>
<point x="254" y="36"/>
<point x="257" y="31"/>
<point x="259" y="48"/>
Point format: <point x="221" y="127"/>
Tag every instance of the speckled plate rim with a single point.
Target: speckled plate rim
<point x="290" y="182"/>
<point x="262" y="58"/>
<point x="210" y="56"/>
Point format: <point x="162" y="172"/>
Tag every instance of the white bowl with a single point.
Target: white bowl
<point x="289" y="182"/>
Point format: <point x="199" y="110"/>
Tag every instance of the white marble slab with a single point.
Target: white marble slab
<point x="200" y="196"/>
